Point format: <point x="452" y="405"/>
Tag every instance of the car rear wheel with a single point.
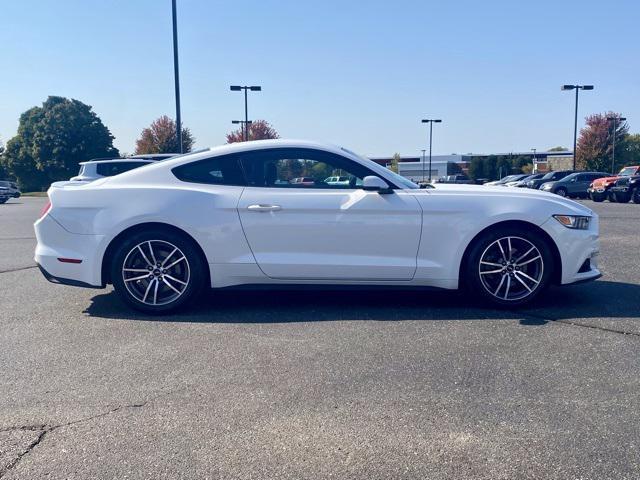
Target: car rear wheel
<point x="157" y="271"/>
<point x="635" y="196"/>
<point x="509" y="267"/>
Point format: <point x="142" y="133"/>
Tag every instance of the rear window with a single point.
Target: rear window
<point x="110" y="169"/>
<point x="222" y="170"/>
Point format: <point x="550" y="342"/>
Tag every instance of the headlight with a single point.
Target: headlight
<point x="576" y="222"/>
<point x="546" y="186"/>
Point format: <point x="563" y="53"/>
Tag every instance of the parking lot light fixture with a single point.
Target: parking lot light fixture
<point x="430" y="122"/>
<point x="176" y="75"/>
<point x="615" y="119"/>
<point x="577" y="88"/>
<point x="253" y="88"/>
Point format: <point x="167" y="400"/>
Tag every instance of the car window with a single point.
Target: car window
<point x="110" y="169"/>
<point x="301" y="168"/>
<point x="220" y="170"/>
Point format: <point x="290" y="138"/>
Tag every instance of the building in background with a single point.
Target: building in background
<point x="413" y="168"/>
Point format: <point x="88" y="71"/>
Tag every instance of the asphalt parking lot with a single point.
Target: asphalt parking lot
<point x="320" y="384"/>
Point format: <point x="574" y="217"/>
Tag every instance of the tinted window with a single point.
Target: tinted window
<point x="111" y="169"/>
<point x="301" y="168"/>
<point x="222" y="170"/>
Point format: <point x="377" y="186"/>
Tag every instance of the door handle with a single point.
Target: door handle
<point x="264" y="208"/>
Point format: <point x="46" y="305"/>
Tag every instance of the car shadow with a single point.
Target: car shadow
<point x="595" y="300"/>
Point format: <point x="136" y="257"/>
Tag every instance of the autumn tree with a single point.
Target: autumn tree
<point x="393" y="166"/>
<point x="52" y="140"/>
<point x="161" y="137"/>
<point x="595" y="144"/>
<point x="258" y="130"/>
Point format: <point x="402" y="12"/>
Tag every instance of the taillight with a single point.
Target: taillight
<point x="45" y="209"/>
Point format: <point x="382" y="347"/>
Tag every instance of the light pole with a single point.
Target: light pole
<point x="615" y="120"/>
<point x="423" y="159"/>
<point x="244" y="125"/>
<point x="176" y="74"/>
<point x="254" y="88"/>
<point x="430" y="122"/>
<point x="535" y="160"/>
<point x="577" y="88"/>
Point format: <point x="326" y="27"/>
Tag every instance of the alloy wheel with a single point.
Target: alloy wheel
<point x="156" y="272"/>
<point x="511" y="268"/>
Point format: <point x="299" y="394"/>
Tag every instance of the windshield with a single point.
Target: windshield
<point x="625" y="172"/>
<point x="548" y="176"/>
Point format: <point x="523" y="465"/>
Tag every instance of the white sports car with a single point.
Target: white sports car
<point x="231" y="216"/>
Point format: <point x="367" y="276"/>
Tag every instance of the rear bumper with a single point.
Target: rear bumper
<point x="55" y="243"/>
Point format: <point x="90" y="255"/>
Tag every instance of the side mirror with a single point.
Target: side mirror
<point x="375" y="184"/>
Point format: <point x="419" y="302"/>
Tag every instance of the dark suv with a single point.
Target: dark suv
<point x="574" y="185"/>
<point x="549" y="177"/>
<point x="626" y="188"/>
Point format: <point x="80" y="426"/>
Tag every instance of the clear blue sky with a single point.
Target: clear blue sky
<point x="357" y="73"/>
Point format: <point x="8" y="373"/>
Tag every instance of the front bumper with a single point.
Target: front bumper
<point x="55" y="243"/>
<point x="619" y="189"/>
<point x="576" y="247"/>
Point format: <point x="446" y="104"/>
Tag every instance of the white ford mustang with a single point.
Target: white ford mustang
<point x="239" y="215"/>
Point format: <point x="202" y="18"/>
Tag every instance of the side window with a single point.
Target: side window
<point x="222" y="170"/>
<point x="302" y="168"/>
<point x="108" y="169"/>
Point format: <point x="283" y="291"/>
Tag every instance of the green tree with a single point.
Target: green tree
<point x="453" y="168"/>
<point x="630" y="150"/>
<point x="503" y="166"/>
<point x="161" y="137"/>
<point x="52" y="140"/>
<point x="558" y="149"/>
<point x="491" y="167"/>
<point x="476" y="168"/>
<point x="394" y="162"/>
<point x="3" y="171"/>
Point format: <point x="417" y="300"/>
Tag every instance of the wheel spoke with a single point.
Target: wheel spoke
<point x="146" y="275"/>
<point x="491" y="271"/>
<point x="145" y="257"/>
<point x="135" y="270"/>
<point x="504" y="257"/>
<point x="155" y="292"/>
<point x="519" y="272"/>
<point x="146" y="292"/>
<point x="171" y="286"/>
<point x="175" y="279"/>
<point x="491" y="264"/>
<point x="153" y="257"/>
<point x="517" y="261"/>
<point x="510" y="249"/>
<point x="499" y="286"/>
<point x="175" y="249"/>
<point x="517" y="277"/>
<point x="173" y="263"/>
<point x="529" y="261"/>
<point x="506" y="293"/>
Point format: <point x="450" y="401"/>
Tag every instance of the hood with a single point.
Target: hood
<point x="604" y="180"/>
<point x="507" y="193"/>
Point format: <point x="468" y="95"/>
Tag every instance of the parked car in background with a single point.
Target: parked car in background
<point x="5" y="194"/>
<point x="460" y="179"/>
<point x="626" y="188"/>
<point x="507" y="179"/>
<point x="342" y="180"/>
<point x="599" y="190"/>
<point x="574" y="185"/>
<point x="12" y="186"/>
<point x="549" y="177"/>
<point x="516" y="179"/>
<point x="522" y="183"/>
<point x="95" y="169"/>
<point x="154" y="156"/>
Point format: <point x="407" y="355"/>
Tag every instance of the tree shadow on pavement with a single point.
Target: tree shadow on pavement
<point x="595" y="300"/>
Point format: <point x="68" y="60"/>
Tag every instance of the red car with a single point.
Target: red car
<point x="599" y="189"/>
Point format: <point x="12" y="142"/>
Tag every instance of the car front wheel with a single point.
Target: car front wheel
<point x="157" y="272"/>
<point x="509" y="267"/>
<point x="561" y="191"/>
<point x="597" y="197"/>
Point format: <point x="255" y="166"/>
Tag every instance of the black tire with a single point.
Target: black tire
<point x="597" y="197"/>
<point x="473" y="279"/>
<point x="621" y="197"/>
<point x="611" y="197"/>
<point x="561" y="191"/>
<point x="3" y="200"/>
<point x="635" y="196"/>
<point x="191" y="271"/>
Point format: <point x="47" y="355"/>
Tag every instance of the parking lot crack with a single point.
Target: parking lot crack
<point x="583" y="325"/>
<point x="44" y="430"/>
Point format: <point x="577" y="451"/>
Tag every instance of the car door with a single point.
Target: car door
<point x="317" y="231"/>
